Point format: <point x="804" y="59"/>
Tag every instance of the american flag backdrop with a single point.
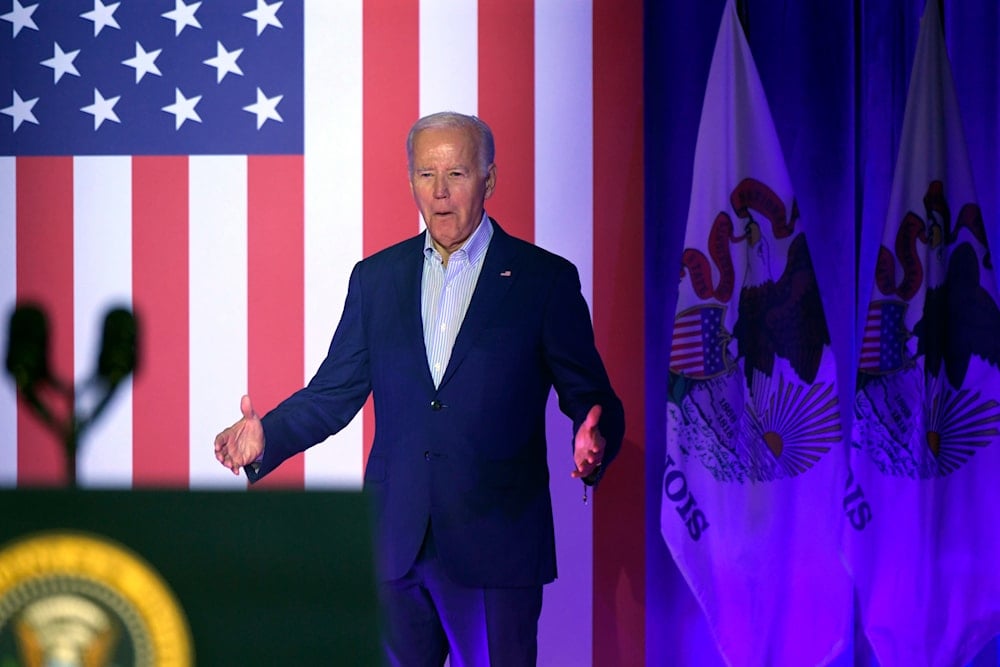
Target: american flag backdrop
<point x="220" y="166"/>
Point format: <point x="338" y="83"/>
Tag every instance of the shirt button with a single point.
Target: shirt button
<point x="427" y="456"/>
<point x="436" y="405"/>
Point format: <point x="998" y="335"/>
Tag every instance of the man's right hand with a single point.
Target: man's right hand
<point x="241" y="443"/>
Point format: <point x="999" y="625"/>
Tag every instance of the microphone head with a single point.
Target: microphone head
<point x="28" y="346"/>
<point x="118" y="346"/>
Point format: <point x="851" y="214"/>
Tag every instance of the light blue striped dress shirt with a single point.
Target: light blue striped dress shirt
<point x="446" y="292"/>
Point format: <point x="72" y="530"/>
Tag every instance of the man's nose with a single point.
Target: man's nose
<point x="441" y="188"/>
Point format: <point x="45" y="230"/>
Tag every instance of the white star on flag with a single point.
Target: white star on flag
<point x="144" y="62"/>
<point x="61" y="62"/>
<point x="224" y="62"/>
<point x="103" y="16"/>
<point x="265" y="15"/>
<point x="265" y="107"/>
<point x="102" y="109"/>
<point x="183" y="15"/>
<point x="20" y="110"/>
<point x="20" y="17"/>
<point x="183" y="108"/>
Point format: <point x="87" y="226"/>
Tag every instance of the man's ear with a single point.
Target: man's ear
<point x="491" y="179"/>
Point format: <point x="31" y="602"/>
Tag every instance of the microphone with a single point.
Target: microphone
<point x="116" y="360"/>
<point x="28" y="363"/>
<point x="118" y="355"/>
<point x="28" y="347"/>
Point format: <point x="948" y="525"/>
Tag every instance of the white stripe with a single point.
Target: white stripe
<point x="564" y="125"/>
<point x="449" y="68"/>
<point x="8" y="292"/>
<point x="218" y="308"/>
<point x="333" y="215"/>
<point x="102" y="279"/>
<point x="564" y="225"/>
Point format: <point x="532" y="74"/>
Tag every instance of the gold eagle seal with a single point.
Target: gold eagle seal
<point x="78" y="600"/>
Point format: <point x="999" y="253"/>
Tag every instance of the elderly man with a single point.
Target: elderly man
<point x="459" y="333"/>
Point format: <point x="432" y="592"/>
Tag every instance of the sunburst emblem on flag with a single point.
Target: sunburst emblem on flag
<point x="782" y="431"/>
<point x="791" y="427"/>
<point x="953" y="426"/>
<point x="957" y="423"/>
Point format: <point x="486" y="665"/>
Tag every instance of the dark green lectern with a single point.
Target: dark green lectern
<point x="217" y="578"/>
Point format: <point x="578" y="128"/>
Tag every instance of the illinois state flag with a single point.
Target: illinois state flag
<point x="924" y="536"/>
<point x="755" y="452"/>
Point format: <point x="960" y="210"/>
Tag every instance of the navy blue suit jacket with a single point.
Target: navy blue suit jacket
<point x="469" y="456"/>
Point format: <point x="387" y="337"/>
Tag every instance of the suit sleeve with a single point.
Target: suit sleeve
<point x="579" y="375"/>
<point x="331" y="399"/>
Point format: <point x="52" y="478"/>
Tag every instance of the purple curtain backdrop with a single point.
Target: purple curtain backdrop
<point x="836" y="77"/>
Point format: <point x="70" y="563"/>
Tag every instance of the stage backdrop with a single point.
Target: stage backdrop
<point x="220" y="167"/>
<point x="236" y="260"/>
<point x="836" y="76"/>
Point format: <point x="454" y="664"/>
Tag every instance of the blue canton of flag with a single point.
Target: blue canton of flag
<point x="145" y="77"/>
<point x="882" y="346"/>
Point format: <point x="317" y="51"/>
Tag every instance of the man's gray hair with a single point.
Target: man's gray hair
<point x="454" y="120"/>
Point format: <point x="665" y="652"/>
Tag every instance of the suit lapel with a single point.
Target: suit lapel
<point x="496" y="277"/>
<point x="407" y="282"/>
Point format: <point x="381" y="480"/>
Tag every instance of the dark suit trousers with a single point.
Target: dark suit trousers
<point x="427" y="617"/>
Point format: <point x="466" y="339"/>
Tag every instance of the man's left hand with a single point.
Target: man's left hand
<point x="588" y="446"/>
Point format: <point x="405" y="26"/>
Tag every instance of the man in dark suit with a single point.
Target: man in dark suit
<point x="459" y="333"/>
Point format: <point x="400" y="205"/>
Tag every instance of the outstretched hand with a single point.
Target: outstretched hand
<point x="588" y="445"/>
<point x="243" y="442"/>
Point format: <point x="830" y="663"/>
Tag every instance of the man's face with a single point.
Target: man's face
<point x="449" y="185"/>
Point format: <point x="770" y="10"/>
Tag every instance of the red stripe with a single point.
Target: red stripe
<point x="276" y="288"/>
<point x="160" y="396"/>
<point x="507" y="104"/>
<point x="619" y="517"/>
<point x="44" y="276"/>
<point x="391" y="100"/>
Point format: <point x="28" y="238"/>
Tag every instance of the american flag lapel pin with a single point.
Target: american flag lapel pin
<point x="505" y="274"/>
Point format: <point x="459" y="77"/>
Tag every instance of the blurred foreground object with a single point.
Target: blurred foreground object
<point x="28" y="364"/>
